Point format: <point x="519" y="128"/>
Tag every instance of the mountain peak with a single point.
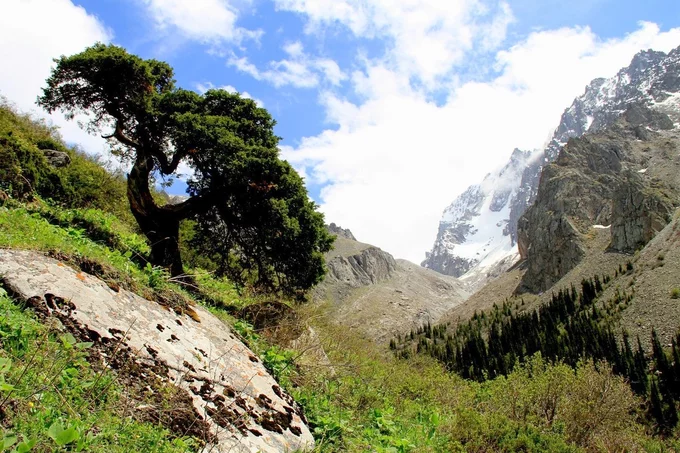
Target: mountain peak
<point x="479" y="229"/>
<point x="342" y="232"/>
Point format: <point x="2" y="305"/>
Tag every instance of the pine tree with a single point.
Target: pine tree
<point x="641" y="369"/>
<point x="662" y="365"/>
<point x="656" y="407"/>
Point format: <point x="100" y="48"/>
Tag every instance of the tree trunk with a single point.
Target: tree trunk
<point x="159" y="225"/>
<point x="162" y="231"/>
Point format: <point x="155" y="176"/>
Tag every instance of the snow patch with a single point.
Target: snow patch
<point x="601" y="227"/>
<point x="589" y="121"/>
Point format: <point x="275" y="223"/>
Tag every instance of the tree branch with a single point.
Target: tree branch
<point x="166" y="167"/>
<point x="119" y="135"/>
<point x="191" y="206"/>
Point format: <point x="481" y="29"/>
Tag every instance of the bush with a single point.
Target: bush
<point x="675" y="293"/>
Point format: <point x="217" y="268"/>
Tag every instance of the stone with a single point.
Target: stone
<point x="638" y="213"/>
<point x="230" y="389"/>
<point x="57" y="158"/>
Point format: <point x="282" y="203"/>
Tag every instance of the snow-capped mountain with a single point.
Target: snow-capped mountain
<point x="475" y="231"/>
<point x="478" y="232"/>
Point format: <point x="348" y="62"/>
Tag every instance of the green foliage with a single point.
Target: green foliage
<point x="25" y="172"/>
<point x="675" y="293"/>
<point x="567" y="328"/>
<point x="254" y="218"/>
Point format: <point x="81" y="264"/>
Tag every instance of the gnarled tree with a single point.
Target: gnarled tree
<point x="250" y="205"/>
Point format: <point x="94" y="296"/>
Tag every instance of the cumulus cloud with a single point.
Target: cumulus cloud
<point x="32" y="33"/>
<point x="396" y="159"/>
<point x="207" y="21"/>
<point x="205" y="86"/>
<point x="427" y="37"/>
<point x="299" y="70"/>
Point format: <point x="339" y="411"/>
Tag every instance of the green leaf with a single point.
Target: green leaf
<point x="24" y="447"/>
<point x="68" y="339"/>
<point x="62" y="436"/>
<point x="8" y="440"/>
<point x="54" y="430"/>
<point x="5" y="364"/>
<point x="84" y="345"/>
<point x="5" y="387"/>
<point x="67" y="436"/>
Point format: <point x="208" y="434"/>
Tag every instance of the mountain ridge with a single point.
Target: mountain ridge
<point x="652" y="79"/>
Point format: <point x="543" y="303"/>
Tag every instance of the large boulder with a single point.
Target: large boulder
<point x="240" y="403"/>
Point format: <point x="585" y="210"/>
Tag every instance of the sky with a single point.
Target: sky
<point x="388" y="108"/>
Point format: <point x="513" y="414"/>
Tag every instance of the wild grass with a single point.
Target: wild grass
<point x="53" y="399"/>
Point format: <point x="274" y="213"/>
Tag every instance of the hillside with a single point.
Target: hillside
<point x="370" y="292"/>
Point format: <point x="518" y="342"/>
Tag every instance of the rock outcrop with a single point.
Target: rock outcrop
<point x="612" y="177"/>
<point x="57" y="158"/>
<point x="369" y="266"/>
<point x="639" y="211"/>
<point x="342" y="232"/>
<point x="241" y="405"/>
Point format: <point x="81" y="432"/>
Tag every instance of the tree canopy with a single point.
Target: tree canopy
<point x="252" y="208"/>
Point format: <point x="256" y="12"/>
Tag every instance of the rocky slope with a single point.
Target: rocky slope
<point x="652" y="79"/>
<point x="369" y="291"/>
<point x="623" y="178"/>
<point x="225" y="391"/>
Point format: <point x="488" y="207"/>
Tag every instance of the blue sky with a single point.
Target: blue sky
<point x="389" y="108"/>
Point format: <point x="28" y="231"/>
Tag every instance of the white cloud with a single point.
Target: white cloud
<point x="203" y="87"/>
<point x="428" y="37"/>
<point x="395" y="161"/>
<point x="299" y="69"/>
<point x="200" y="20"/>
<point x="32" y="33"/>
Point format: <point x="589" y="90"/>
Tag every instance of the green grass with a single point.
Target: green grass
<point x="51" y="398"/>
<point x="24" y="171"/>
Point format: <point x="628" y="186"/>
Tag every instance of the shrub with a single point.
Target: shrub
<point x="675" y="293"/>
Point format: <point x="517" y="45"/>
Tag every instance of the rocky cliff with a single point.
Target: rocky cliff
<point x="356" y="264"/>
<point x="652" y="79"/>
<point x="623" y="178"/>
<point x="476" y="231"/>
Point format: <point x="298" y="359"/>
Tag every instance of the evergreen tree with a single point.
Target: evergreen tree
<point x="251" y="207"/>
<point x="656" y="407"/>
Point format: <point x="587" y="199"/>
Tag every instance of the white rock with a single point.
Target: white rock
<point x="200" y="352"/>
